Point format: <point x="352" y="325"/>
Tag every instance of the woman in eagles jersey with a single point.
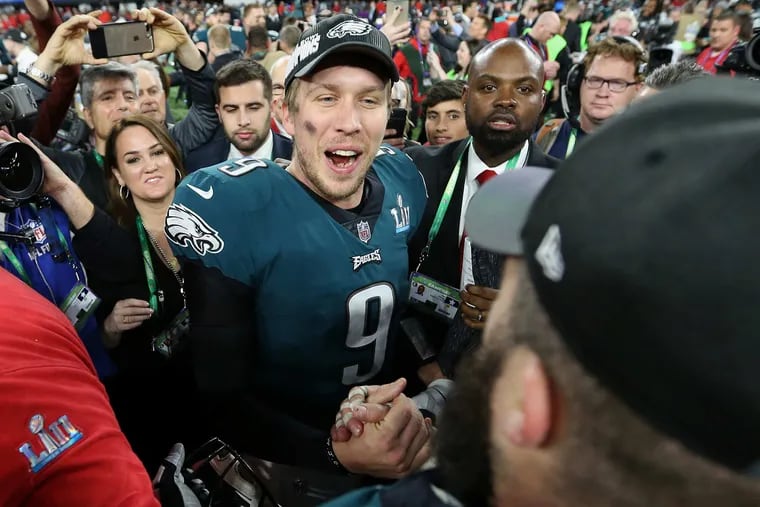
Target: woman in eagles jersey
<point x="131" y="267"/>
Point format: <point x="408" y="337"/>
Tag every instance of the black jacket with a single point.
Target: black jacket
<point x="218" y="149"/>
<point x="436" y="165"/>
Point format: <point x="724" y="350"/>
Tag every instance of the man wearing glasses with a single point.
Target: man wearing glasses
<point x="613" y="73"/>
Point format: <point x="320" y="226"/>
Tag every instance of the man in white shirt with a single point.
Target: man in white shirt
<point x="16" y="43"/>
<point x="503" y="98"/>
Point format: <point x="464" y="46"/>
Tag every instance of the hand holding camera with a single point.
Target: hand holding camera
<point x="66" y="46"/>
<point x="170" y="35"/>
<point x="55" y="180"/>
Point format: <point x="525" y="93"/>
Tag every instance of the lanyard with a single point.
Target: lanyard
<point x="719" y="60"/>
<point x="8" y="253"/>
<point x="423" y="61"/>
<point x="98" y="158"/>
<point x="571" y="142"/>
<point x="446" y="199"/>
<point x="4" y="250"/>
<point x="149" y="273"/>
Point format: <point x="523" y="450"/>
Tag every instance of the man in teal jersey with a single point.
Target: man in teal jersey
<point x="295" y="277"/>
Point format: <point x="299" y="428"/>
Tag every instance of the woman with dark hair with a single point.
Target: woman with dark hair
<point x="465" y="53"/>
<point x="131" y="268"/>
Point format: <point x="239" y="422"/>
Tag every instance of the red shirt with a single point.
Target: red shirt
<point x="499" y="30"/>
<point x="708" y="61"/>
<point x="60" y="444"/>
<point x="405" y="71"/>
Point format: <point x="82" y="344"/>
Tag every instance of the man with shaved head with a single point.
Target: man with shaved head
<point x="547" y="25"/>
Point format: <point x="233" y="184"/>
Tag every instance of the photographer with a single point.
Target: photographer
<point x="724" y="35"/>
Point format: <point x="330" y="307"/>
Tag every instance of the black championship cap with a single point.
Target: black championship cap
<point x="340" y="34"/>
<point x="642" y="250"/>
<point x="16" y="36"/>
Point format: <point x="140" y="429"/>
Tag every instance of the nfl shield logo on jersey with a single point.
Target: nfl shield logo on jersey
<point x="365" y="233"/>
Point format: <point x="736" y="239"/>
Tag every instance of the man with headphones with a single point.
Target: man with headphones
<point x="607" y="81"/>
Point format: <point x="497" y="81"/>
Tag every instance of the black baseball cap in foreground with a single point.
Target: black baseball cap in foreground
<point x="644" y="249"/>
<point x="340" y="34"/>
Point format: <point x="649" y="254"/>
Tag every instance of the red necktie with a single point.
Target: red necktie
<point x="482" y="179"/>
<point x="485" y="176"/>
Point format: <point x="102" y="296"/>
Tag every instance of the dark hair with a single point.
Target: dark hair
<point x="673" y="74"/>
<point x="442" y="91"/>
<point x="258" y="37"/>
<point x="249" y="7"/>
<point x="726" y="15"/>
<point x="485" y="19"/>
<point x="123" y="210"/>
<point x="746" y="26"/>
<point x="474" y="46"/>
<point x="242" y="71"/>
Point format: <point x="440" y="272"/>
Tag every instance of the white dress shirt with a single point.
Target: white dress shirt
<point x="475" y="166"/>
<point x="264" y="152"/>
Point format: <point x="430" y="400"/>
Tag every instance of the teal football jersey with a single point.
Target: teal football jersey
<point x="327" y="299"/>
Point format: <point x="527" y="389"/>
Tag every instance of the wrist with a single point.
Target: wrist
<point x="111" y="336"/>
<point x="332" y="457"/>
<point x="46" y="65"/>
<point x="189" y="56"/>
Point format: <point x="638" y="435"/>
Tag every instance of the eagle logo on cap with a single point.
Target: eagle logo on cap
<point x="350" y="27"/>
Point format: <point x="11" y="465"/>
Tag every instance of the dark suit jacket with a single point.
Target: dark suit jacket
<point x="217" y="150"/>
<point x="436" y="165"/>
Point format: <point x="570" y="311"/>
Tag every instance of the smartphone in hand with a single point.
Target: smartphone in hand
<point x="119" y="39"/>
<point x="397" y="122"/>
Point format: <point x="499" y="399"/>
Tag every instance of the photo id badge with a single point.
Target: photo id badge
<point x="433" y="297"/>
<point x="79" y="305"/>
<point x="427" y="82"/>
<point x="168" y="342"/>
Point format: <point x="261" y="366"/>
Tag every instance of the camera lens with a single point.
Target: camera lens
<point x="753" y="52"/>
<point x="21" y="172"/>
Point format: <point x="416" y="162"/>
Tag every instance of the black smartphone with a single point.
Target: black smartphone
<point x="119" y="39"/>
<point x="397" y="122"/>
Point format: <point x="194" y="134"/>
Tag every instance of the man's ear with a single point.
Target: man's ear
<point x="88" y="117"/>
<point x="529" y="421"/>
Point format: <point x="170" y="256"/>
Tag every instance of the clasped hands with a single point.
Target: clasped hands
<point x="380" y="432"/>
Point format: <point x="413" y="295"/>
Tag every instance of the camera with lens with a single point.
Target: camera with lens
<point x="74" y="132"/>
<point x="743" y="59"/>
<point x="21" y="172"/>
<point x="21" y="175"/>
<point x="16" y="103"/>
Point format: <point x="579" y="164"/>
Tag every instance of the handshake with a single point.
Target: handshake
<point x="379" y="431"/>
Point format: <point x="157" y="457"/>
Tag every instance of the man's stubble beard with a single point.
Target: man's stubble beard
<point x="322" y="187"/>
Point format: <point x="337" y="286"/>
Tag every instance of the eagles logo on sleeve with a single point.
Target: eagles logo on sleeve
<point x="185" y="228"/>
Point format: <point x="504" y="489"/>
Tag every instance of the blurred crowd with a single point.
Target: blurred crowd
<point x="265" y="237"/>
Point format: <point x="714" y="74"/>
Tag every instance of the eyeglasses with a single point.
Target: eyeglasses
<point x="615" y="85"/>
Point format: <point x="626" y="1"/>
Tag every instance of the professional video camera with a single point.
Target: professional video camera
<point x="16" y="103"/>
<point x="21" y="173"/>
<point x="744" y="58"/>
<point x="654" y="33"/>
<point x="73" y="134"/>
